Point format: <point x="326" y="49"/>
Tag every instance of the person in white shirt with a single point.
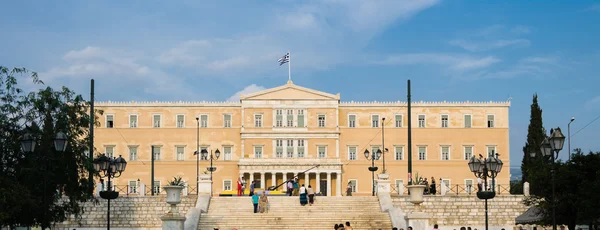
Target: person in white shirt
<point x="303" y="196"/>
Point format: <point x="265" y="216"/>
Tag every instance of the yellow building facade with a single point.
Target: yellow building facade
<point x="275" y="134"/>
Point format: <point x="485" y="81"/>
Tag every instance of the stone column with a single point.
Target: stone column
<point x="328" y="183"/>
<point x="262" y="180"/>
<point x="383" y="183"/>
<point x="318" y="184"/>
<point x="142" y="189"/>
<point x="526" y="188"/>
<point x="251" y="179"/>
<point x="338" y="183"/>
<point x="242" y="148"/>
<point x="273" y="179"/>
<point x="284" y="180"/>
<point x="306" y="179"/>
<point x="418" y="220"/>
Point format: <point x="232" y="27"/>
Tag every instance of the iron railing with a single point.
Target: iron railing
<point x="127" y="190"/>
<point x="456" y="189"/>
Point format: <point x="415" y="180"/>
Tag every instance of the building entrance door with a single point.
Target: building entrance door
<point x="323" y="184"/>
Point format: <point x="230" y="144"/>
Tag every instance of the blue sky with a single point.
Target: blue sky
<point x="365" y="50"/>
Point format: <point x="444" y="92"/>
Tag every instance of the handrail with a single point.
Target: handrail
<point x="273" y="188"/>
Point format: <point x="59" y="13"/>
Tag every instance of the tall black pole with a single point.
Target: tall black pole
<point x="91" y="147"/>
<point x="485" y="184"/>
<point x="211" y="171"/>
<point x="383" y="142"/>
<point x="152" y="173"/>
<point x="553" y="195"/>
<point x="197" y="154"/>
<point x="373" y="172"/>
<point x="409" y="136"/>
<point x="108" y="210"/>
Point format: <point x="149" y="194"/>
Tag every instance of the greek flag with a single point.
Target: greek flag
<point x="284" y="59"/>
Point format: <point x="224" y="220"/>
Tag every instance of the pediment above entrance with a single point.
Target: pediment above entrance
<point x="290" y="91"/>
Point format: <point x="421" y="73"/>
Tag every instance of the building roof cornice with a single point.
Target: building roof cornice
<point x="169" y="103"/>
<point x="425" y="103"/>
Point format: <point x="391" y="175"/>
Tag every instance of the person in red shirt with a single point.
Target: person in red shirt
<point x="239" y="187"/>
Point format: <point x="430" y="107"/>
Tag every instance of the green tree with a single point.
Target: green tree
<point x="530" y="167"/>
<point x="44" y="186"/>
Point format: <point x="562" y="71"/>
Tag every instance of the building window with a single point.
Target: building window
<point x="398" y="121"/>
<point x="133" y="153"/>
<point x="203" y="121"/>
<point x="444" y="121"/>
<point x="399" y="153"/>
<point x="421" y="121"/>
<point x="227" y="153"/>
<point x="133" y="186"/>
<point x="322" y="151"/>
<point x="321" y="119"/>
<point x="290" y="118"/>
<point x="110" y="120"/>
<point x="156" y="151"/>
<point x="352" y="153"/>
<point x="279" y="148"/>
<point x="422" y="153"/>
<point x="353" y="185"/>
<point x="258" y="152"/>
<point x="180" y="121"/>
<point x="300" y="148"/>
<point x="467" y="120"/>
<point x="109" y="151"/>
<point x="446" y="182"/>
<point x="156" y="187"/>
<point x="468" y="152"/>
<point x="180" y="151"/>
<point x="352" y="121"/>
<point x="300" y="118"/>
<point x="290" y="148"/>
<point x="257" y="120"/>
<point x="133" y="121"/>
<point x="491" y="151"/>
<point x="374" y="150"/>
<point x="469" y="186"/>
<point x="279" y="118"/>
<point x="156" y="120"/>
<point x="227" y="120"/>
<point x="375" y="121"/>
<point x="490" y="121"/>
<point x="227" y="185"/>
<point x="445" y="153"/>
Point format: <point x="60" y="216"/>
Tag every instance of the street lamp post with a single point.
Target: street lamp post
<point x="569" y="135"/>
<point x="383" y="142"/>
<point x="550" y="147"/>
<point x="196" y="153"/>
<point x="111" y="168"/>
<point x="28" y="143"/>
<point x="372" y="157"/>
<point x="214" y="156"/>
<point x="484" y="168"/>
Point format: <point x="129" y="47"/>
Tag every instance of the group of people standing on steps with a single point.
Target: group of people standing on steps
<point x="307" y="194"/>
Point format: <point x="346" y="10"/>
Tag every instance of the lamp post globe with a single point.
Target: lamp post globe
<point x="120" y="164"/>
<point x="378" y="154"/>
<point x="546" y="148"/>
<point x="60" y="142"/>
<point x="28" y="142"/>
<point x="367" y="154"/>
<point x="557" y="140"/>
<point x="217" y="153"/>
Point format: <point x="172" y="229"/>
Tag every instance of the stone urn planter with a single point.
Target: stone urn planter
<point x="173" y="194"/>
<point x="416" y="193"/>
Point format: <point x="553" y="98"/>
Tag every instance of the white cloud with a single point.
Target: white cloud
<point x="248" y="90"/>
<point x="455" y="62"/>
<point x="475" y="46"/>
<point x="540" y="60"/>
<point x="520" y="30"/>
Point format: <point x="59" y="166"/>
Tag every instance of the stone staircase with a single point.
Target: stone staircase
<point x="286" y="212"/>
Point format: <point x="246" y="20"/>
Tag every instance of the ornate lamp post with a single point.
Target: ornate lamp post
<point x="111" y="168"/>
<point x="550" y="147"/>
<point x="372" y="157"/>
<point x="484" y="168"/>
<point x="196" y="153"/>
<point x="216" y="156"/>
<point x="28" y="143"/>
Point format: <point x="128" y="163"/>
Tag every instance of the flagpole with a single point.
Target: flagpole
<point x="289" y="66"/>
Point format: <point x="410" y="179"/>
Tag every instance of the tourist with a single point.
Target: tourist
<point x="463" y="228"/>
<point x="336" y="226"/>
<point x="255" y="202"/>
<point x="341" y="227"/>
<point x="243" y="185"/>
<point x="263" y="203"/>
<point x="349" y="189"/>
<point x="290" y="187"/>
<point x="311" y="195"/>
<point x="409" y="228"/>
<point x="426" y="191"/>
<point x="252" y="188"/>
<point x="296" y="187"/>
<point x="435" y="226"/>
<point x="394" y="228"/>
<point x="432" y="186"/>
<point x="239" y="187"/>
<point x="348" y="226"/>
<point x="303" y="196"/>
<point x="469" y="228"/>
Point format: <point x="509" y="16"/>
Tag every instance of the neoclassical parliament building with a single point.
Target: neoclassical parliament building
<point x="272" y="135"/>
